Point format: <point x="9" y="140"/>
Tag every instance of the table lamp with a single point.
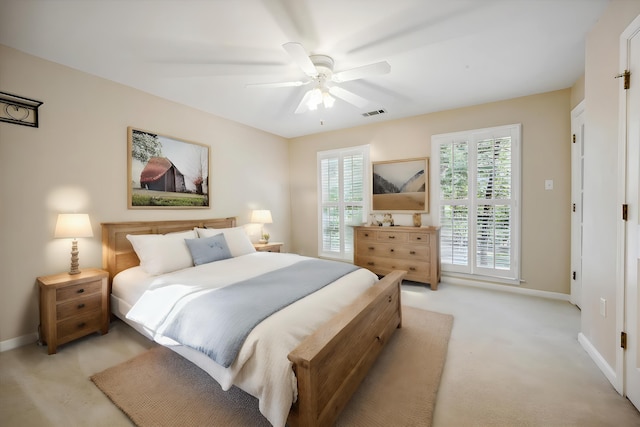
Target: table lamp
<point x="73" y="226"/>
<point x="262" y="216"/>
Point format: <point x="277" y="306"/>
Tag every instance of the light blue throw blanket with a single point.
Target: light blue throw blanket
<point x="218" y="322"/>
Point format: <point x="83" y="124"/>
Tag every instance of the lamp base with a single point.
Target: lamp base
<point x="75" y="263"/>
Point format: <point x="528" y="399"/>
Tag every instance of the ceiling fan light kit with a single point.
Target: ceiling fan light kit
<point x="319" y="69"/>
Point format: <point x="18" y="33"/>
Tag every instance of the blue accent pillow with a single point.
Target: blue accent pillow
<point x="208" y="249"/>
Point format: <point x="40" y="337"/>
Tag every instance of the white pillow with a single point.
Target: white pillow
<point x="163" y="253"/>
<point x="236" y="237"/>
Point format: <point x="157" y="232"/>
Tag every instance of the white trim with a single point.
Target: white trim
<point x="503" y="287"/>
<point x="625" y="37"/>
<point x="577" y="182"/>
<point x="471" y="137"/>
<point x="12" y="343"/>
<point x="606" y="369"/>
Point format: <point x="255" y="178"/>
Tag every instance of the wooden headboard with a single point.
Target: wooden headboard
<point x="117" y="252"/>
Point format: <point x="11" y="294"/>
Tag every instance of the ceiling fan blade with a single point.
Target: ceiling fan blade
<point x="278" y="84"/>
<point x="349" y="97"/>
<point x="361" y="72"/>
<point x="301" y="58"/>
<point x="302" y="106"/>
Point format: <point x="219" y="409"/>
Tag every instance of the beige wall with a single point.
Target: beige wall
<point x="577" y="92"/>
<point x="76" y="161"/>
<point x="601" y="210"/>
<point x="546" y="154"/>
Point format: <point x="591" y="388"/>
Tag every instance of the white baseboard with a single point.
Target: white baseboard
<point x="595" y="355"/>
<point x="18" y="342"/>
<point x="505" y="288"/>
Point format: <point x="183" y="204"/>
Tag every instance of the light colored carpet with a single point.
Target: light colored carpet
<point x="160" y="388"/>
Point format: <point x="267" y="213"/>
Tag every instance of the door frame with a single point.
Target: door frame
<point x="621" y="316"/>
<point x="577" y="187"/>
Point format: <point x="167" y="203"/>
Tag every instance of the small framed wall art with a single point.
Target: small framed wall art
<point x="401" y="185"/>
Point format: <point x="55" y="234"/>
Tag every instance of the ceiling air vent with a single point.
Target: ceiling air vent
<point x="373" y="113"/>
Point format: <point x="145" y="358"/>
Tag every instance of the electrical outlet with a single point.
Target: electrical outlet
<point x="603" y="307"/>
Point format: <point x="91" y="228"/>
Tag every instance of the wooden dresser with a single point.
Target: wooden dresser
<point x="413" y="249"/>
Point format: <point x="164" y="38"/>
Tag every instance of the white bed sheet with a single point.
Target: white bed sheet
<point x="262" y="368"/>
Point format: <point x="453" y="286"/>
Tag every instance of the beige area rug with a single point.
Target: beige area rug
<point x="160" y="388"/>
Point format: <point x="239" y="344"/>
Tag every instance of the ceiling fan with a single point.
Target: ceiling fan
<point x="319" y="70"/>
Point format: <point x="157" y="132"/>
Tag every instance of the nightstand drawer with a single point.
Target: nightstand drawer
<point x="79" y="306"/>
<point x="76" y="327"/>
<point x="74" y="291"/>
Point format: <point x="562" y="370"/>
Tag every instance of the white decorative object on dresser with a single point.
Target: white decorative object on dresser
<point x="413" y="249"/>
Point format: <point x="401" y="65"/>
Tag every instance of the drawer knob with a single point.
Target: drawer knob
<point x="412" y="252"/>
<point x="370" y="263"/>
<point x="82" y="325"/>
<point x="418" y="238"/>
<point x="80" y="291"/>
<point x="371" y="248"/>
<point x="392" y="237"/>
<point x="80" y="305"/>
<point x="366" y="234"/>
<point x="412" y="268"/>
<point x="391" y="250"/>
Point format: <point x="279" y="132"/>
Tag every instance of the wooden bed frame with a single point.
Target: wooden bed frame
<point x="329" y="364"/>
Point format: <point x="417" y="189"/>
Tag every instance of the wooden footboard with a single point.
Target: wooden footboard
<point x="332" y="362"/>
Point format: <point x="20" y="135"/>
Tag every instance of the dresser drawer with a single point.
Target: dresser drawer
<point x="419" y="238"/>
<point x="366" y="235"/>
<point x="79" y="306"/>
<point x="406" y="251"/>
<point x="74" y="291"/>
<point x="391" y="236"/>
<point x="79" y="326"/>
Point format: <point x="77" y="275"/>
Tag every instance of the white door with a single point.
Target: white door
<point x="577" y="184"/>
<point x="630" y="53"/>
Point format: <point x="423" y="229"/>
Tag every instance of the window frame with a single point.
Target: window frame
<point x="472" y="137"/>
<point x="343" y="254"/>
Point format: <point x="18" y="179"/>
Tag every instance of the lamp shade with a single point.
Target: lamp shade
<point x="73" y="225"/>
<point x="261" y="216"/>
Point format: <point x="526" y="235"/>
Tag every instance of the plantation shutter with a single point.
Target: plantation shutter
<point x="478" y="201"/>
<point x="343" y="199"/>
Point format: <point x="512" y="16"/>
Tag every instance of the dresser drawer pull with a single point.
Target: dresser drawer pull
<point x="392" y="250"/>
<point x="371" y="248"/>
<point x="80" y="305"/>
<point x="392" y="237"/>
<point x="412" y="268"/>
<point x="80" y="291"/>
<point x="82" y="325"/>
<point x="412" y="252"/>
<point x="418" y="238"/>
<point x="366" y="234"/>
<point x="370" y="263"/>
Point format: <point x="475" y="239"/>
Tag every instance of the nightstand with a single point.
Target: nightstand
<point x="268" y="247"/>
<point x="72" y="306"/>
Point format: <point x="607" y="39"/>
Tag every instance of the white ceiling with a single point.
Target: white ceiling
<point x="443" y="53"/>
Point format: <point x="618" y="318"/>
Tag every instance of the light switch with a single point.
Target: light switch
<point x="548" y="184"/>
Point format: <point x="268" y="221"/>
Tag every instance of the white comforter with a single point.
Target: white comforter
<point x="261" y="368"/>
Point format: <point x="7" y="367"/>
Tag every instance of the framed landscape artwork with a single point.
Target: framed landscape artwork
<point x="401" y="185"/>
<point x="166" y="172"/>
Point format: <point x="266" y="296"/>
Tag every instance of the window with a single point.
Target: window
<point x="477" y="204"/>
<point x="342" y="199"/>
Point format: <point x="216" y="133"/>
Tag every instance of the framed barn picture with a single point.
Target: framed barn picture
<point x="166" y="172"/>
<point x="401" y="185"/>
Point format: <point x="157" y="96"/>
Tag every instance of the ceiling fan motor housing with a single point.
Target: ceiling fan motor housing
<point x="324" y="64"/>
